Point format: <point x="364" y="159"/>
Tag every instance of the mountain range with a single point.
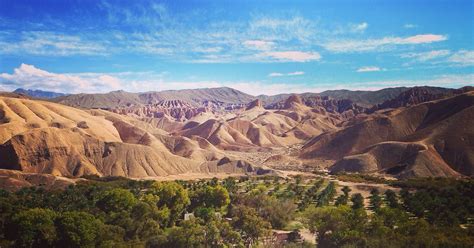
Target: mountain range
<point x="38" y="93"/>
<point x="399" y="132"/>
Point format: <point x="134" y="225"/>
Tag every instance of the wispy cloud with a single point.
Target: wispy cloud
<point x="459" y="58"/>
<point x="296" y="73"/>
<point x="369" y="69"/>
<point x="279" y="74"/>
<point x="259" y="44"/>
<point x="149" y="28"/>
<point x="409" y="25"/>
<point x="462" y="57"/>
<point x="276" y="74"/>
<point x="49" y="43"/>
<point x="358" y="28"/>
<point x="448" y="80"/>
<point x="282" y="29"/>
<point x="344" y="46"/>
<point x="30" y="77"/>
<point x="425" y="56"/>
<point x="293" y="56"/>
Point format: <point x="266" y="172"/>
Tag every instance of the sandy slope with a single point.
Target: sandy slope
<point x="429" y="139"/>
<point x="43" y="137"/>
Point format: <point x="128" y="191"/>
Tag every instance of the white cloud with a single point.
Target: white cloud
<point x="368" y="69"/>
<point x="259" y="87"/>
<point x="30" y="77"/>
<point x="52" y="44"/>
<point x="462" y="57"/>
<point x="255" y="88"/>
<point x="425" y="56"/>
<point x="409" y="25"/>
<point x="459" y="58"/>
<point x="208" y="49"/>
<point x="293" y="56"/>
<point x="259" y="44"/>
<point x="361" y="27"/>
<point x="423" y="38"/>
<point x="296" y="73"/>
<point x="448" y="80"/>
<point x="383" y="43"/>
<point x="278" y="74"/>
<point x="295" y="28"/>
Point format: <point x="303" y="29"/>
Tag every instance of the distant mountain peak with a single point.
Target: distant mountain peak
<point x="39" y="93"/>
<point x="293" y="99"/>
<point x="257" y="103"/>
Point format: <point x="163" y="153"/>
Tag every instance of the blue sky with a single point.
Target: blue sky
<point x="259" y="47"/>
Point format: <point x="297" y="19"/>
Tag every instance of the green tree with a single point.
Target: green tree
<point x="392" y="217"/>
<point x="33" y="228"/>
<point x="7" y="209"/>
<point x="217" y="197"/>
<point x="336" y="226"/>
<point x="210" y="196"/>
<point x="230" y="184"/>
<point x="346" y="190"/>
<point x="189" y="234"/>
<point x="116" y="200"/>
<point x="357" y="201"/>
<point x="298" y="179"/>
<point x="145" y="223"/>
<point x="344" y="198"/>
<point x="279" y="212"/>
<point x="172" y="196"/>
<point x="327" y="195"/>
<point x="252" y="226"/>
<point x="204" y="213"/>
<point x="391" y="199"/>
<point x="214" y="181"/>
<point x="228" y="236"/>
<point x="78" y="229"/>
<point x="375" y="200"/>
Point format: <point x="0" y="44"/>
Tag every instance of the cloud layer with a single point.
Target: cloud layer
<point x="30" y="77"/>
<point x="347" y="46"/>
<point x="278" y="74"/>
<point x="368" y="69"/>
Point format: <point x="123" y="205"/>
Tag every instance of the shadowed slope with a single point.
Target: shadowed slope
<point x="43" y="137"/>
<point x="445" y="127"/>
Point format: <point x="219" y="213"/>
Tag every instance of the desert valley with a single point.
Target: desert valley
<point x="394" y="132"/>
<point x="236" y="124"/>
<point x="294" y="158"/>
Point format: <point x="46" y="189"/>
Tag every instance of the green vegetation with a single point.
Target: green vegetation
<point x="357" y="201"/>
<point x="344" y="198"/>
<point x="375" y="200"/>
<point x="359" y="178"/>
<point x="117" y="212"/>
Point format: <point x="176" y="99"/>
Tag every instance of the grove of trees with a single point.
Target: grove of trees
<point x="117" y="212"/>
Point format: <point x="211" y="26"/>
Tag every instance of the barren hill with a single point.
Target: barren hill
<point x="223" y="97"/>
<point x="44" y="137"/>
<point x="436" y="138"/>
<point x="38" y="93"/>
<point x="417" y="95"/>
<point x="423" y="131"/>
<point x="106" y="101"/>
<point x="219" y="97"/>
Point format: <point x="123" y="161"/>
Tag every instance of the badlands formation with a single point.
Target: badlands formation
<point x="398" y="132"/>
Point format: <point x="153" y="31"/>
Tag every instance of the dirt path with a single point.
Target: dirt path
<point x="307" y="236"/>
<point x="363" y="188"/>
<point x="192" y="176"/>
